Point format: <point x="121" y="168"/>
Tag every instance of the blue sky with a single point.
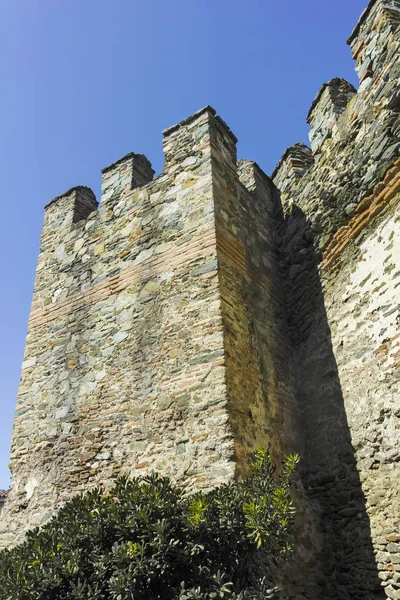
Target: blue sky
<point x="86" y="81"/>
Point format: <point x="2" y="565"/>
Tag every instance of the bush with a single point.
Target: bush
<point x="146" y="540"/>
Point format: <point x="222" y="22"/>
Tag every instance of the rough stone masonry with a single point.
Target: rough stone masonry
<point x="192" y="317"/>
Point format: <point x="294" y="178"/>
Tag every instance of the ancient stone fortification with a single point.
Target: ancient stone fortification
<point x="194" y="316"/>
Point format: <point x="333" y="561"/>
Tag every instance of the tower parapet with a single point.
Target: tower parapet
<point x="354" y="134"/>
<point x="63" y="216"/>
<point x="137" y="312"/>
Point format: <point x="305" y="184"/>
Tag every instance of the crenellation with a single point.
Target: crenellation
<point x="80" y="189"/>
<point x="73" y="206"/>
<point x="372" y="45"/>
<point x="85" y="204"/>
<point x="198" y="315"/>
<point x="136" y="284"/>
<point x="224" y="142"/>
<point x="377" y="15"/>
<point x="362" y="145"/>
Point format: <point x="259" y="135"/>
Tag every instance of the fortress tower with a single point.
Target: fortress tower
<point x="156" y="331"/>
<point x="190" y="318"/>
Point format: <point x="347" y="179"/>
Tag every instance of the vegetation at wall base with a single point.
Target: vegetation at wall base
<point x="146" y="540"/>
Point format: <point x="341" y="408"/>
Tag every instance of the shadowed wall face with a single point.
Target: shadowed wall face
<point x="259" y="382"/>
<point x="342" y="259"/>
<point x="347" y="363"/>
<point x="362" y="301"/>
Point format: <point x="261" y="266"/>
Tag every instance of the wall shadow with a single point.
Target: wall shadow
<point x="329" y="470"/>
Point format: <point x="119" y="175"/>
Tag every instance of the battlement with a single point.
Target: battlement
<point x="371" y="16"/>
<point x="186" y="145"/>
<point x="354" y="134"/>
<point x="200" y="314"/>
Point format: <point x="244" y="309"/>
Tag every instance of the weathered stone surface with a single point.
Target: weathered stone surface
<point x="295" y="162"/>
<point x="139" y="319"/>
<point x="330" y="102"/>
<point x="198" y="315"/>
<point x="341" y="256"/>
<point x="357" y="142"/>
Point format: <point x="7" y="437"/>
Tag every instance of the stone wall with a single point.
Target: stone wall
<point x="362" y="302"/>
<point x="362" y="144"/>
<point x="329" y="103"/>
<point x="123" y="368"/>
<point x="342" y="260"/>
<point x="200" y="314"/>
<point x="139" y="313"/>
<point x="259" y="381"/>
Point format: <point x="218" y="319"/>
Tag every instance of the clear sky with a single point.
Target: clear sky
<point x="86" y="81"/>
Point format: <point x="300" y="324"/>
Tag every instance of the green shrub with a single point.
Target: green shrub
<point x="146" y="540"/>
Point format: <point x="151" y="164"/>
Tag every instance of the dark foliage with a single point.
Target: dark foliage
<point x="145" y="540"/>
